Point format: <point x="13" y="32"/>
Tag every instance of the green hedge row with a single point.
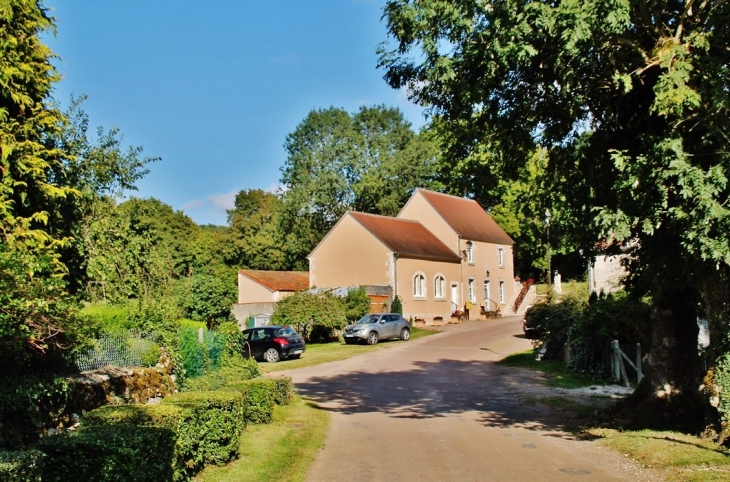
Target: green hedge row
<point x="23" y="466"/>
<point x="170" y="441"/>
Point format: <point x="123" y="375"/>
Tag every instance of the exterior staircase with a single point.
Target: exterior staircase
<point x="526" y="296"/>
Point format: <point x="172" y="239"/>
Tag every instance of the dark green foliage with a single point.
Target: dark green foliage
<point x="396" y="306"/>
<point x="213" y="433"/>
<point x="721" y="380"/>
<point x="616" y="317"/>
<point x="27" y="404"/>
<point x="38" y="321"/>
<point x="25" y="466"/>
<point x="259" y="396"/>
<point x="209" y="299"/>
<point x="357" y="304"/>
<point x="304" y="310"/>
<point x="553" y="322"/>
<point x="110" y="453"/>
<point x="285" y="390"/>
<point x="588" y="330"/>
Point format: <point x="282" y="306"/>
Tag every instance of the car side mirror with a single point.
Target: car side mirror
<point x="382" y="321"/>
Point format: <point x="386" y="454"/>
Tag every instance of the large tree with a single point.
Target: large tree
<point x="368" y="161"/>
<point x="629" y="97"/>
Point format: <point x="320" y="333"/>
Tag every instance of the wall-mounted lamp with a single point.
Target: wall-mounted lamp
<point x="487" y="273"/>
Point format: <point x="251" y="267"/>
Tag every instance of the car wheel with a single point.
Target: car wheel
<point x="271" y="355"/>
<point x="373" y="338"/>
<point x="405" y="334"/>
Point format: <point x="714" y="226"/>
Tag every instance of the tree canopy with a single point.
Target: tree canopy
<point x="630" y="100"/>
<point x="369" y="161"/>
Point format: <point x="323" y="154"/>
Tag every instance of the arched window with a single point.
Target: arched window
<point x="469" y="252"/>
<point x="439" y="283"/>
<point x="419" y="286"/>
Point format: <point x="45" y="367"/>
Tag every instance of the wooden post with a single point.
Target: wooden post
<point x="616" y="360"/>
<point x="200" y="335"/>
<point x="639" y="373"/>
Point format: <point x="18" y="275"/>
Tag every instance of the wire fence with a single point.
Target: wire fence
<point x="126" y="349"/>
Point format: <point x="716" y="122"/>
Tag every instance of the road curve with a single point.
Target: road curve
<point x="440" y="409"/>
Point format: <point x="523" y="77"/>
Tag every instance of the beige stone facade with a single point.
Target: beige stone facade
<point x="442" y="254"/>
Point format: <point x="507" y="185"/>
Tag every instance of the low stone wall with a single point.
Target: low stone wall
<point x="94" y="388"/>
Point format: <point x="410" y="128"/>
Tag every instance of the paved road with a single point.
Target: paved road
<point x="440" y="409"/>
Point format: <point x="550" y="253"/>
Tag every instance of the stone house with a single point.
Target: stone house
<point x="441" y="255"/>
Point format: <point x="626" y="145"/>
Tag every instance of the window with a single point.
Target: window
<point x="501" y="292"/>
<point x="419" y="286"/>
<point x="487" y="295"/>
<point x="472" y="293"/>
<point x="438" y="286"/>
<point x="500" y="257"/>
<point x="470" y="252"/>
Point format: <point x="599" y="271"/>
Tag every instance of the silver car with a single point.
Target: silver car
<point x="374" y="327"/>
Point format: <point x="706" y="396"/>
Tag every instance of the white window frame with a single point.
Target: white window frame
<point x="439" y="284"/>
<point x="500" y="257"/>
<point x="419" y="285"/>
<point x="472" y="290"/>
<point x="501" y="292"/>
<point x="470" y="252"/>
<point x="487" y="294"/>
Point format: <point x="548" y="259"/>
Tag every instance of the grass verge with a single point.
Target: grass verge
<point x="282" y="450"/>
<point x="318" y="353"/>
<point x="678" y="456"/>
<point x="558" y="375"/>
<point x="682" y="457"/>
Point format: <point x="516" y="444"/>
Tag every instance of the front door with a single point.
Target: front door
<point x="455" y="304"/>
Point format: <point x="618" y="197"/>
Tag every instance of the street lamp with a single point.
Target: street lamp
<point x="548" y="217"/>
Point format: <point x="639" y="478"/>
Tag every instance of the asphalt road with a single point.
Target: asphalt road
<point x="440" y="409"/>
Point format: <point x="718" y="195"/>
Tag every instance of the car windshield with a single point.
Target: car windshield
<point x="285" y="331"/>
<point x="368" y="319"/>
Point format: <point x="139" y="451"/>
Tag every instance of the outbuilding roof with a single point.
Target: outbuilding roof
<point x="278" y="280"/>
<point x="410" y="239"/>
<point x="466" y="217"/>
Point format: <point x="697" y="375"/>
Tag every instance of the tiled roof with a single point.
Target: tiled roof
<point x="467" y="218"/>
<point x="279" y="280"/>
<point x="410" y="239"/>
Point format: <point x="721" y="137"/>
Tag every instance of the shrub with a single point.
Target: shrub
<point x="164" y="417"/>
<point x="110" y="453"/>
<point x="552" y="322"/>
<point x="305" y="310"/>
<point x="26" y="466"/>
<point x="259" y="398"/>
<point x="396" y="306"/>
<point x="357" y="304"/>
<point x="209" y="299"/>
<point x="27" y="405"/>
<point x="213" y="435"/>
<point x="284" y="390"/>
<point x="233" y="340"/>
<point x="247" y="370"/>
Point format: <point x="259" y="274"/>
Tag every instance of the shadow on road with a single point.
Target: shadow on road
<point x="499" y="396"/>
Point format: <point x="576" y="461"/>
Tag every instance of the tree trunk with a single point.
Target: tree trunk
<point x="669" y="396"/>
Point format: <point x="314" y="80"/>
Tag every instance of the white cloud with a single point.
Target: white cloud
<point x="222" y="202"/>
<point x="193" y="205"/>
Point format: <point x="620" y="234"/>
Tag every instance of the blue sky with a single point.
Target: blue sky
<point x="213" y="88"/>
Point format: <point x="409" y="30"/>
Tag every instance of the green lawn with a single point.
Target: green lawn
<point x="318" y="353"/>
<point x="282" y="450"/>
<point x="559" y="375"/>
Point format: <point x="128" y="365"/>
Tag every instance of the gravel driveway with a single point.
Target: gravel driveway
<point x="440" y="409"/>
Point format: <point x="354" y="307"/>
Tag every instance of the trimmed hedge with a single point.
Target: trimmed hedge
<point x="25" y="466"/>
<point x="110" y="453"/>
<point x="283" y="390"/>
<point x="212" y="435"/>
<point x="259" y="398"/>
<point x="248" y="369"/>
<point x="169" y="417"/>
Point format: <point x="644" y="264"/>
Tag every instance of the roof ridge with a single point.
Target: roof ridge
<point x="386" y="217"/>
